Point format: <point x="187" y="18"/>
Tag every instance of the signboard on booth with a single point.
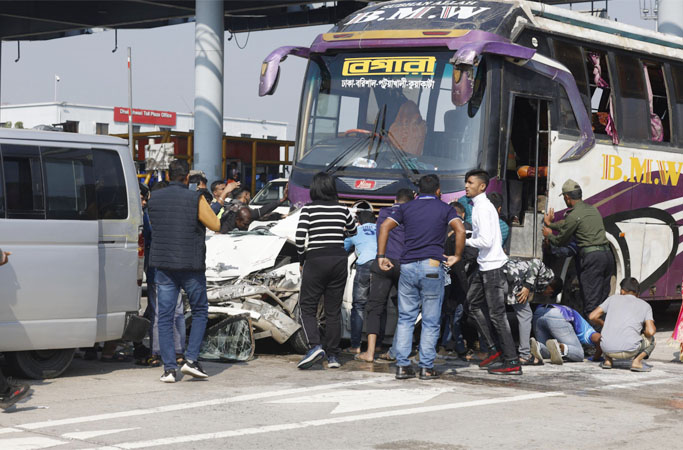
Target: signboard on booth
<point x="146" y="116"/>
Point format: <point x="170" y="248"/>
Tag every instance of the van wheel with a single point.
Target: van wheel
<point x="41" y="364"/>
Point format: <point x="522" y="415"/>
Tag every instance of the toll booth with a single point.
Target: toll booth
<point x="251" y="160"/>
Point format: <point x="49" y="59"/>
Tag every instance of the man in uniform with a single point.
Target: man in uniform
<point x="584" y="223"/>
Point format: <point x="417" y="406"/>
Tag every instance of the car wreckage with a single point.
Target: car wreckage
<point x="253" y="282"/>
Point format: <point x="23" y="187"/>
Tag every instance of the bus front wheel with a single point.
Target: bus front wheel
<point x="41" y="364"/>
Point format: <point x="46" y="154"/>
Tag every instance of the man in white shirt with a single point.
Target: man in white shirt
<point x="489" y="283"/>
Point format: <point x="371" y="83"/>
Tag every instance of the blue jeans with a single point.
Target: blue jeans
<point x="421" y="287"/>
<point x="361" y="290"/>
<point x="550" y="324"/>
<point x="179" y="335"/>
<point x="453" y="329"/>
<point x="169" y="284"/>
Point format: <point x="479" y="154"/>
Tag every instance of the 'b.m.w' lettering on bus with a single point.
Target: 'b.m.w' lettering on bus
<point x="640" y="170"/>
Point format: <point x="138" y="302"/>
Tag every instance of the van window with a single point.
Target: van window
<point x="110" y="185"/>
<point x="69" y="184"/>
<point x="23" y="182"/>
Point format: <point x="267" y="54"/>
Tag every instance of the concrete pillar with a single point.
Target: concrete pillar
<point x="208" y="87"/>
<point x="670" y="17"/>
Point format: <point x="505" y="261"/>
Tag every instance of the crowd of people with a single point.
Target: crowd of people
<point x="449" y="264"/>
<point x="446" y="262"/>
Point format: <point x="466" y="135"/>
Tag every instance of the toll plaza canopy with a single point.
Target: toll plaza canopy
<point x="49" y="19"/>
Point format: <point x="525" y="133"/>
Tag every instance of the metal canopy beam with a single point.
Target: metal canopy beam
<point x="45" y="19"/>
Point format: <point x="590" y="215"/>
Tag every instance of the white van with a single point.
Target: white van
<point x="70" y="214"/>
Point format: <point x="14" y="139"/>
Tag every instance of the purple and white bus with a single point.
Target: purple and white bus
<point x="533" y="94"/>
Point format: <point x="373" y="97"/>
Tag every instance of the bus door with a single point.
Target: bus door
<point x="526" y="174"/>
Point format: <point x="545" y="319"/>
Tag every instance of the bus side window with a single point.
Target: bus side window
<point x="677" y="100"/>
<point x="23" y="182"/>
<point x="69" y="184"/>
<point x="601" y="108"/>
<point x="2" y="189"/>
<point x="110" y="185"/>
<point x="572" y="57"/>
<point x="633" y="116"/>
<point x="659" y="105"/>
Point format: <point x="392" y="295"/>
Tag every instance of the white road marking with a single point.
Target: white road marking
<point x="201" y="404"/>
<point x="30" y="443"/>
<point x="323" y="422"/>
<point x="81" y="435"/>
<point x="356" y="400"/>
<point x="9" y="430"/>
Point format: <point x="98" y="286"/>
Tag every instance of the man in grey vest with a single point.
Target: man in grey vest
<point x="179" y="218"/>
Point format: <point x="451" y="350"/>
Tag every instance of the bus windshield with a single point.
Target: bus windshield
<point x="388" y="112"/>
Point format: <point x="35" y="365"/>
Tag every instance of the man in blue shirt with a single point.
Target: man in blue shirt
<point x="421" y="285"/>
<point x="561" y="333"/>
<point x="382" y="281"/>
<point x="365" y="244"/>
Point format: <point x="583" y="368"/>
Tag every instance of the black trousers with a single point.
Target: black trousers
<point x="323" y="276"/>
<point x="4" y="385"/>
<point x="381" y="283"/>
<point x="597" y="269"/>
<point x="487" y="290"/>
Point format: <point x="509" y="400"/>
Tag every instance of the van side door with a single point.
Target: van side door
<point x="49" y="287"/>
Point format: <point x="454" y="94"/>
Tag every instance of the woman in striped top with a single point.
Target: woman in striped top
<point x="320" y="243"/>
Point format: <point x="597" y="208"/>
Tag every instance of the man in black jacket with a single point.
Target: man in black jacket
<point x="179" y="218"/>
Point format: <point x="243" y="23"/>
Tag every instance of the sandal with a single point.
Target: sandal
<point x="358" y="358"/>
<point x="386" y="357"/>
<point x="604" y="365"/>
<point x="151" y="361"/>
<point x="180" y="359"/>
<point x="532" y="361"/>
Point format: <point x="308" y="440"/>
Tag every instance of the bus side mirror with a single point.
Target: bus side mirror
<point x="463" y="84"/>
<point x="270" y="69"/>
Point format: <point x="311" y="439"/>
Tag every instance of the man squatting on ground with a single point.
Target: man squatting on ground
<point x="488" y="287"/>
<point x="421" y="284"/>
<point x="628" y="330"/>
<point x="179" y="218"/>
<point x="526" y="278"/>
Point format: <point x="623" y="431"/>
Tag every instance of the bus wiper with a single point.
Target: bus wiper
<point x="332" y="167"/>
<point x="410" y="173"/>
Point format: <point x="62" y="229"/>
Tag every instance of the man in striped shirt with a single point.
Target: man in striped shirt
<point x="320" y="244"/>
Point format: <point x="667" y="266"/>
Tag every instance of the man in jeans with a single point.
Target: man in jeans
<point x="488" y="287"/>
<point x="628" y="331"/>
<point x="365" y="245"/>
<point x="179" y="218"/>
<point x="561" y="333"/>
<point x="421" y="285"/>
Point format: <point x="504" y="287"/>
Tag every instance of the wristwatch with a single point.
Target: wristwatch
<point x="381" y="256"/>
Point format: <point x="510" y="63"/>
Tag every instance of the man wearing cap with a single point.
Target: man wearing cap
<point x="584" y="223"/>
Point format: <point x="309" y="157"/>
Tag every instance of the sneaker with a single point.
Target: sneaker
<point x="16" y="393"/>
<point x="193" y="368"/>
<point x="493" y="357"/>
<point x="168" y="376"/>
<point x="555" y="351"/>
<point x="404" y="372"/>
<point x="333" y="362"/>
<point x="429" y="374"/>
<point x="535" y="349"/>
<point x="506" y="368"/>
<point x="313" y="356"/>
